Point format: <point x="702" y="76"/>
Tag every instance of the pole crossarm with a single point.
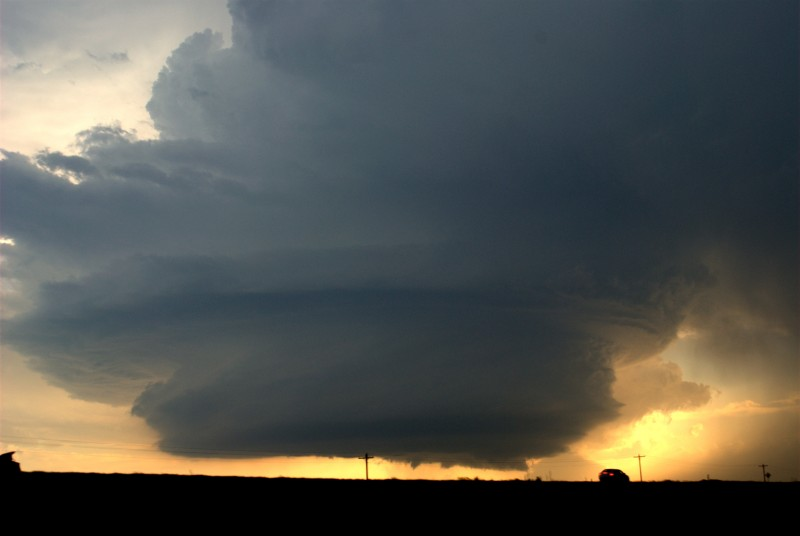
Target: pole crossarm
<point x="366" y="457"/>
<point x="640" y="456"/>
<point x="763" y="467"/>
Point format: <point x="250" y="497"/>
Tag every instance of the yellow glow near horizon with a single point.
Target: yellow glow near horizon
<point x="76" y="436"/>
<point x="686" y="445"/>
<point x="53" y="432"/>
<point x="658" y="436"/>
<point x="66" y="456"/>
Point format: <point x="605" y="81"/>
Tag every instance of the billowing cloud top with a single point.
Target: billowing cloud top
<point x="428" y="230"/>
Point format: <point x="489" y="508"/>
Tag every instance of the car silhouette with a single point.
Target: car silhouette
<point x="615" y="476"/>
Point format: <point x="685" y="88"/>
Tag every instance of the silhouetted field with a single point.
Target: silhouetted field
<point x="194" y="501"/>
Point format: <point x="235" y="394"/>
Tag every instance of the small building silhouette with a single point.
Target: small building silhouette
<point x="7" y="464"/>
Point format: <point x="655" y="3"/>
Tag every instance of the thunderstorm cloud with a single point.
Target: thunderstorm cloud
<point x="428" y="230"/>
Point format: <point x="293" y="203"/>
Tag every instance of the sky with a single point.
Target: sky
<point x="472" y="239"/>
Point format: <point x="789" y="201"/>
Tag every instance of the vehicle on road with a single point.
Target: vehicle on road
<point x="615" y="476"/>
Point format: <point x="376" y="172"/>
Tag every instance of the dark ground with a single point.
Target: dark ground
<point x="61" y="500"/>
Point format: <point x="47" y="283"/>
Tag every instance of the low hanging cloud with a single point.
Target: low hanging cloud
<point x="426" y="230"/>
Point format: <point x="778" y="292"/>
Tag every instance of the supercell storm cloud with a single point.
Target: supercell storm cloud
<point x="427" y="230"/>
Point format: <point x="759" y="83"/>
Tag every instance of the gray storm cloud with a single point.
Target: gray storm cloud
<point x="429" y="230"/>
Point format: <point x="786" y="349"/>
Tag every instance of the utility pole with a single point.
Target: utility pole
<point x="366" y="457"/>
<point x="640" y="465"/>
<point x="763" y="467"/>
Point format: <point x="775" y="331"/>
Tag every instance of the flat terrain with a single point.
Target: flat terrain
<point x="201" y="501"/>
